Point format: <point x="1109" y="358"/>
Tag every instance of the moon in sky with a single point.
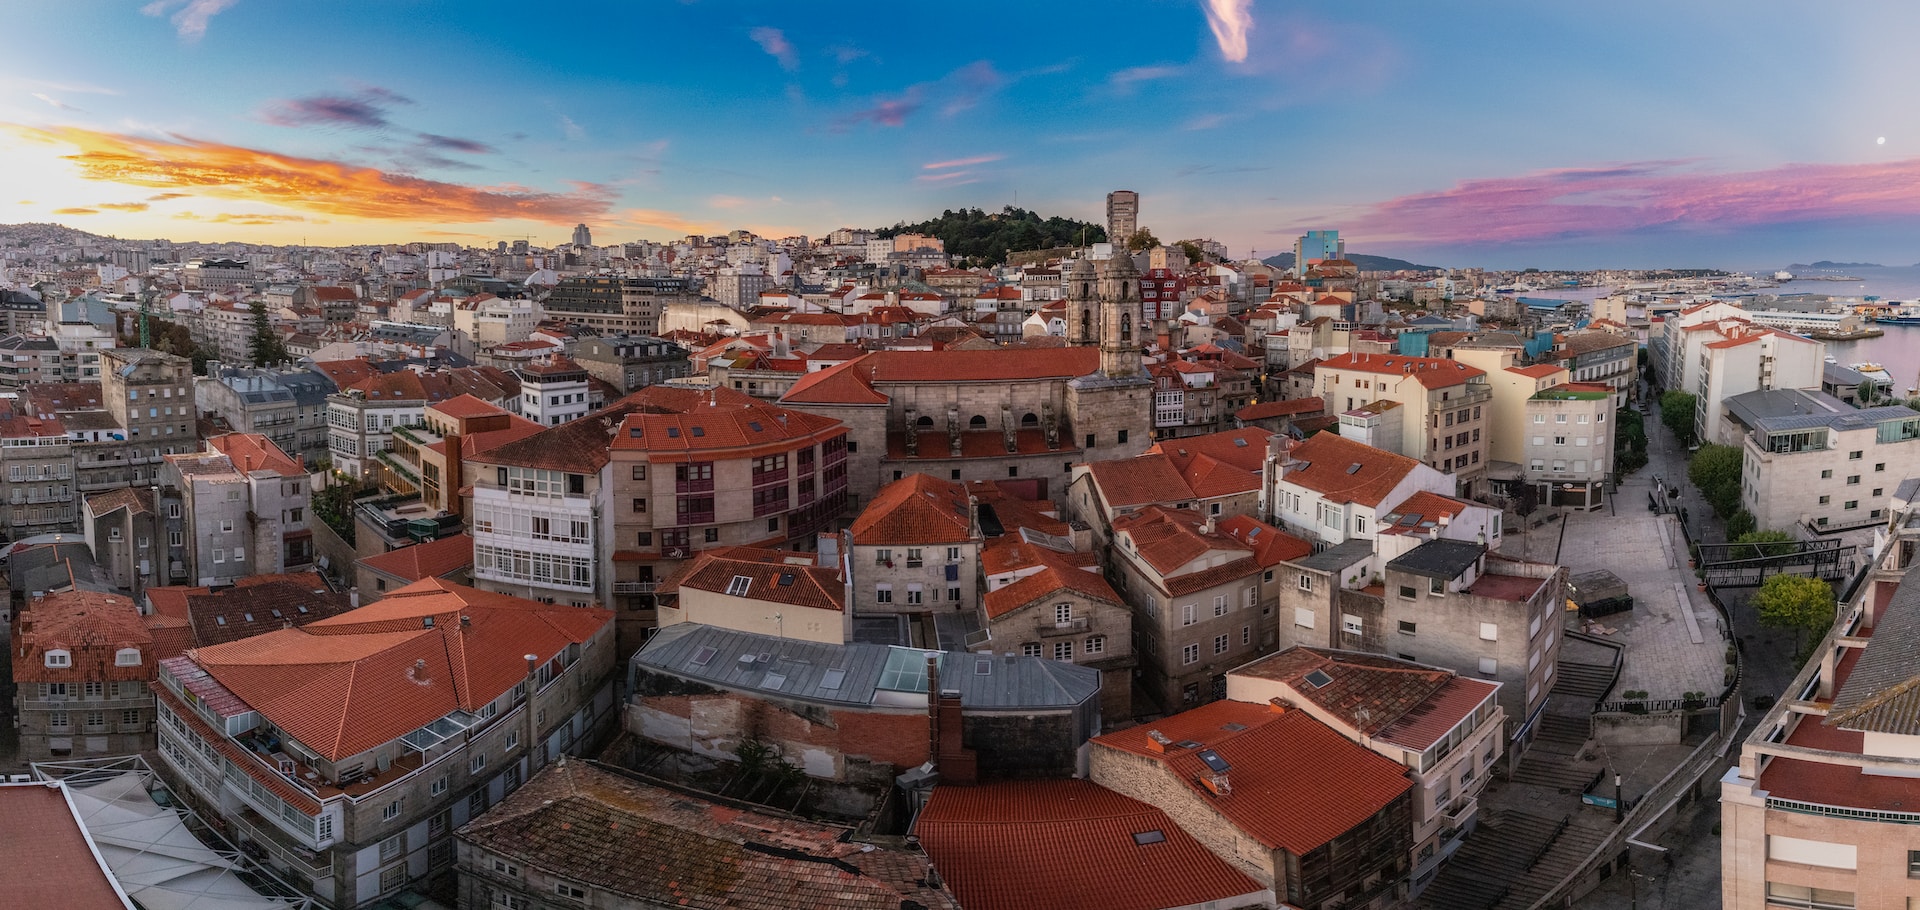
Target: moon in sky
<point x="1880" y="141"/>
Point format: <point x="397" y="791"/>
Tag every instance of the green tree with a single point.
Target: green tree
<point x="1765" y="543"/>
<point x="1796" y="603"/>
<point x="1741" y="523"/>
<point x="265" y="347"/>
<point x="1193" y="251"/>
<point x="1142" y="239"/>
<point x="1715" y="469"/>
<point x="1866" y="391"/>
<point x="1629" y="441"/>
<point x="1676" y="411"/>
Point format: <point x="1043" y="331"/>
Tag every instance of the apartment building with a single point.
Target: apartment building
<point x="1812" y="461"/>
<point x="1569" y="444"/>
<point x="286" y="406"/>
<point x="1712" y="351"/>
<point x="631" y="362"/>
<point x="347" y="752"/>
<point x="121" y="527"/>
<point x="81" y="662"/>
<point x="36" y="467"/>
<point x="1201" y="597"/>
<point x="764" y="592"/>
<point x="1042" y="602"/>
<point x="1359" y="500"/>
<point x="1443" y="727"/>
<point x="150" y="396"/>
<point x="1439" y="414"/>
<point x="1217" y="475"/>
<point x="1820" y="811"/>
<point x="617" y="306"/>
<point x="1513" y="388"/>
<point x="244" y="506"/>
<point x="553" y="391"/>
<point x="1602" y="358"/>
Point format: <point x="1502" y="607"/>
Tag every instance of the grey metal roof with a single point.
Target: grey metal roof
<point x="1338" y="557"/>
<point x="859" y="673"/>
<point x="1783" y="410"/>
<point x="1439" y="558"/>
<point x="1882" y="694"/>
<point x="1837" y="375"/>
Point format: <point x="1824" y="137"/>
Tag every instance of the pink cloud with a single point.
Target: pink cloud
<point x="775" y="43"/>
<point x="1230" y="20"/>
<point x="1576" y="202"/>
<point x="960" y="162"/>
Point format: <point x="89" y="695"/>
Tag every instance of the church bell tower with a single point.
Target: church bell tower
<point x="1083" y="304"/>
<point x="1120" y="327"/>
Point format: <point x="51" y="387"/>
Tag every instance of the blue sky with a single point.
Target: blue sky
<point x="1501" y="134"/>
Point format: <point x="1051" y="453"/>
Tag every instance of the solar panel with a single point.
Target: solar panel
<point x="1353" y="468"/>
<point x="1240" y="443"/>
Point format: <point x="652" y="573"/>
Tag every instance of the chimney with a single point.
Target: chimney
<point x="418" y="673"/>
<point x="455" y="476"/>
<point x="1279" y="705"/>
<point x="1208" y="526"/>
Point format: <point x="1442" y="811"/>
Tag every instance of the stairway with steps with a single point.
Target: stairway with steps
<point x="1510" y="860"/>
<point x="1584" y="682"/>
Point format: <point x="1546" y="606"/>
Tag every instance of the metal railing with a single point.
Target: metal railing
<point x="1052" y="627"/>
<point x="635" y="587"/>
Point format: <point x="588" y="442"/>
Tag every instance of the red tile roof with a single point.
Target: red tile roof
<point x="1139" y="480"/>
<point x="1431" y="372"/>
<point x="346" y="684"/>
<point x="771" y="577"/>
<point x="251" y="452"/>
<point x="1067" y="845"/>
<point x="915" y="510"/>
<point x="1285" y="408"/>
<point x="1169" y="539"/>
<point x="1271" y="546"/>
<point x="51" y="862"/>
<point x="1295" y="783"/>
<point x="962" y="366"/>
<point x="1322" y="463"/>
<point x="91" y="625"/>
<point x="1401" y="702"/>
<point x="433" y="559"/>
<point x="464" y="406"/>
<point x="1538" y="370"/>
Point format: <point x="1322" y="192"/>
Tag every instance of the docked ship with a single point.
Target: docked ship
<point x="1905" y="314"/>
<point x="1783" y="275"/>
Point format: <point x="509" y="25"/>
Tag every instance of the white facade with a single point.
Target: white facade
<point x="534" y="538"/>
<point x="1831" y="477"/>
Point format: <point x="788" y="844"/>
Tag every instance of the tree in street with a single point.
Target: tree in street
<point x="265" y="346"/>
<point x="1764" y="543"/>
<point x="1676" y="411"/>
<point x="1796" y="603"/>
<point x="1715" y="469"/>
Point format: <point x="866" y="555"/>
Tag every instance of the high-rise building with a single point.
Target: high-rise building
<point x="1123" y="215"/>
<point x="582" y="236"/>
<point x="1318" y="245"/>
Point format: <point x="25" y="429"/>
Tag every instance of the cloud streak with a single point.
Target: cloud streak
<point x="953" y="93"/>
<point x="1230" y="21"/>
<point x="366" y="110"/>
<point x="775" y="43"/>
<point x="1647" y="195"/>
<point x="190" y="21"/>
<point x="57" y="103"/>
<point x="1126" y="80"/>
<point x="961" y="162"/>
<point x="310" y="185"/>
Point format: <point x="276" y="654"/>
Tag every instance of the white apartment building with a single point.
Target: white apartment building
<point x="1569" y="443"/>
<point x="487" y="320"/>
<point x="1712" y="351"/>
<point x="553" y="392"/>
<point x="1812" y="461"/>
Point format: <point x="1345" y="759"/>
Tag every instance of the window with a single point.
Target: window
<point x="1826" y="474"/>
<point x="914" y="558"/>
<point x="1303" y="617"/>
<point x="393" y="878"/>
<point x="93" y="690"/>
<point x="1406" y="591"/>
<point x="1853" y="480"/>
<point x="1306" y="582"/>
<point x="639" y="472"/>
<point x="1219" y="604"/>
<point x="1186" y="614"/>
<point x="639" y="505"/>
<point x="1913" y="863"/>
<point x="883" y="594"/>
<point x="438" y="786"/>
<point x="953" y="554"/>
<point x="953" y="595"/>
<point x="476" y="763"/>
<point x="1063" y="650"/>
<point x="1880" y="466"/>
<point x="130" y="717"/>
<point x="1062" y="614"/>
<point x="239" y="554"/>
<point x="59" y="659"/>
<point x="882" y="557"/>
<point x="1854" y="455"/>
<point x="1407" y="628"/>
<point x="502" y="867"/>
<point x="392" y="810"/>
<point x="1123" y="437"/>
<point x="1489" y="632"/>
<point x="739" y="585"/>
<point x="1436" y="586"/>
<point x="1351" y="624"/>
<point x="392" y="847"/>
<point x="57" y="720"/>
<point x="569" y="891"/>
<point x="1220" y="643"/>
<point x="1801" y="896"/>
<point x="1851" y="504"/>
<point x="1190" y="655"/>
<point x="915" y="594"/>
<point x="712" y="535"/>
<point x="1030" y="649"/>
<point x="1825" y="499"/>
<point x="1096" y="644"/>
<point x="175" y="539"/>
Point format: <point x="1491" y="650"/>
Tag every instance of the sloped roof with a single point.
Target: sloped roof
<point x="251" y="452"/>
<point x="432" y="559"/>
<point x="1170" y="538"/>
<point x="1882" y="694"/>
<point x="578" y="821"/>
<point x="1054" y="576"/>
<point x="770" y="576"/>
<point x="857" y="381"/>
<point x="1295" y="783"/>
<point x="1139" y="480"/>
<point x="916" y="509"/>
<point x="354" y="681"/>
<point x="1271" y="546"/>
<point x="1401" y="702"/>
<point x="1068" y="845"/>
<point x="1283" y="408"/>
<point x="1431" y="372"/>
<point x="1325" y="463"/>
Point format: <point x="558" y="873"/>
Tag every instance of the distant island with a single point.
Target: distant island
<point x="1829" y="264"/>
<point x="1365" y="262"/>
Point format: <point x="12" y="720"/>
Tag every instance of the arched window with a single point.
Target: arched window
<point x="1123" y="288"/>
<point x="925" y="421"/>
<point x="1086" y="325"/>
<point x="1126" y="326"/>
<point x="1029" y="420"/>
<point x="978" y="422"/>
<point x="1086" y="290"/>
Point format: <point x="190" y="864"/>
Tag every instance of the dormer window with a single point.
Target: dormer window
<point x="126" y="657"/>
<point x="59" y="658"/>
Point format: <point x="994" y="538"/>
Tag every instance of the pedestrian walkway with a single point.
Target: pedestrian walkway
<point x="1673" y="638"/>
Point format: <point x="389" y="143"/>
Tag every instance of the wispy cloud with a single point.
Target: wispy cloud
<point x="1204" y="122"/>
<point x="162" y="197"/>
<point x="844" y="54"/>
<point x="57" y="103"/>
<point x="1230" y="20"/>
<point x="310" y="185"/>
<point x="1124" y="81"/>
<point x="775" y="43"/>
<point x="455" y="144"/>
<point x="672" y="221"/>
<point x="961" y="162"/>
<point x="364" y="110"/>
<point x="573" y="131"/>
<point x="726" y="202"/>
<point x="1635" y="196"/>
<point x="950" y="178"/>
<point x="123" y="206"/>
<point x="191" y="19"/>
<point x="951" y="94"/>
<point x="76" y="210"/>
<point x="249" y="218"/>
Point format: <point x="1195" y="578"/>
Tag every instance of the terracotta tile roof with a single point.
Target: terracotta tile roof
<point x="1271" y="546"/>
<point x="22" y="426"/>
<point x="1286" y="408"/>
<point x="1373" y="693"/>
<point x="771" y="577"/>
<point x="466" y="405"/>
<point x="1139" y="480"/>
<point x="259" y="604"/>
<point x="59" y="397"/>
<point x="344" y="373"/>
<point x="1014" y="511"/>
<point x="92" y="625"/>
<point x="1068" y="845"/>
<point x="916" y="509"/>
<point x="1295" y="783"/>
<point x="351" y="682"/>
<point x="998" y="365"/>
<point x="51" y="862"/>
<point x="172" y="636"/>
<point x="1170" y="539"/>
<point x="579" y="822"/>
<point x="139" y="500"/>
<point x="664" y="420"/>
<point x="1538" y="370"/>
<point x="1054" y="576"/>
<point x="432" y="559"/>
<point x="1327" y="458"/>
<point x="1427" y="506"/>
<point x="251" y="452"/>
<point x="1431" y="372"/>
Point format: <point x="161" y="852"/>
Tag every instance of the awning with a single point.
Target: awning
<point x="159" y="863"/>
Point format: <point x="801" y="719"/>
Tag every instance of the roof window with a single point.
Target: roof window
<point x="739" y="585"/>
<point x="1144" y="838"/>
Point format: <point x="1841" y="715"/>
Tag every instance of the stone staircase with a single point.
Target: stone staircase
<point x="1510" y="861"/>
<point x="1587" y="683"/>
<point x="1555" y="758"/>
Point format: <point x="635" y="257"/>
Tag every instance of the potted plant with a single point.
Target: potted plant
<point x="1635" y="701"/>
<point x="1692" y="700"/>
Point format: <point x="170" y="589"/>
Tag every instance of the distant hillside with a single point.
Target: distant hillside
<point x="1830" y="264"/>
<point x="1365" y="262"/>
<point x="988" y="236"/>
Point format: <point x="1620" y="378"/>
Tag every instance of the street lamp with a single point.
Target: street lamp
<point x="1619" y="810"/>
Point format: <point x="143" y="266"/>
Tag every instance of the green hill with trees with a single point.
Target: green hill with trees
<point x="975" y="237"/>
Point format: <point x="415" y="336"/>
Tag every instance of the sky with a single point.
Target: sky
<point x="1501" y="134"/>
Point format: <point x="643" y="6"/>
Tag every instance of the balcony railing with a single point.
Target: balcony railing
<point x="304" y="860"/>
<point x="1072" y="626"/>
<point x="1460" y="813"/>
<point x="635" y="587"/>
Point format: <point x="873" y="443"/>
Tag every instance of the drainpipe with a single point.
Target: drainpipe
<point x="533" y="725"/>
